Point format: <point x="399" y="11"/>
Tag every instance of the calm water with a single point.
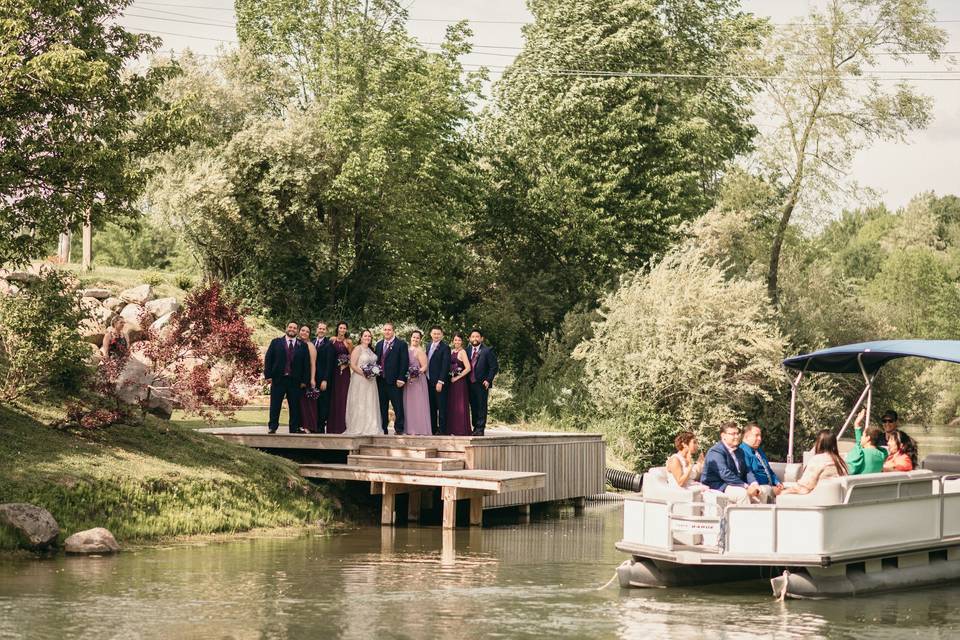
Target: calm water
<point x="505" y="581"/>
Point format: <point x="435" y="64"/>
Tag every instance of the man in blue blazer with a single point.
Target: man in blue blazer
<point x="759" y="464"/>
<point x="483" y="369"/>
<point x="438" y="375"/>
<point x="725" y="468"/>
<point x="393" y="356"/>
<point x="286" y="368"/>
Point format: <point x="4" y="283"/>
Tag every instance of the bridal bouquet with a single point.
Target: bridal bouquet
<point x="312" y="393"/>
<point x="414" y="371"/>
<point x="343" y="360"/>
<point x="455" y="368"/>
<point x="371" y="370"/>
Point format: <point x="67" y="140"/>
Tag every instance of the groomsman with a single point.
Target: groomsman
<point x="286" y="368"/>
<point x="438" y="373"/>
<point x="393" y="356"/>
<point x="326" y="365"/>
<point x="483" y="369"/>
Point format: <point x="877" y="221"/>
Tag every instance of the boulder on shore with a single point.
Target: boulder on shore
<point x="96" y="540"/>
<point x="99" y="294"/>
<point x="162" y="306"/>
<point x="114" y="304"/>
<point x="134" y="382"/>
<point x="138" y="295"/>
<point x="92" y="331"/>
<point x="6" y="289"/>
<point x="35" y="526"/>
<point x="23" y="277"/>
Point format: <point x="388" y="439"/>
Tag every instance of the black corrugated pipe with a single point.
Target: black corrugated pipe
<point x="624" y="480"/>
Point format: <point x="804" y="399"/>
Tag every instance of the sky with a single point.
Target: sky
<point x="897" y="171"/>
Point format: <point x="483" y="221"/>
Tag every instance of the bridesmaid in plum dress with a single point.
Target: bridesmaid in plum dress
<point x="458" y="397"/>
<point x="342" y="346"/>
<point x="416" y="399"/>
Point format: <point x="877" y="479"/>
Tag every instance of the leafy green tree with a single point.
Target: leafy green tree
<point x="828" y="107"/>
<point x="593" y="167"/>
<point x="69" y="135"/>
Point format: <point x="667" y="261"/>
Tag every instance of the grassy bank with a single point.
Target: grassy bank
<point x="151" y="481"/>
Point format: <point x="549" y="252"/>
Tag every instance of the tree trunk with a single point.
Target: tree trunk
<point x="63" y="248"/>
<point x="86" y="262"/>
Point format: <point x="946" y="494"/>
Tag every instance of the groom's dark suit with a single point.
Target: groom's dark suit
<point x="438" y="370"/>
<point x="326" y="366"/>
<point x="394" y="361"/>
<point x="483" y="368"/>
<point x="288" y="369"/>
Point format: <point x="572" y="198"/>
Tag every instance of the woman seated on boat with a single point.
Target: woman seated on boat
<point x="683" y="472"/>
<point x="901" y="452"/>
<point x="826" y="463"/>
<point x="869" y="450"/>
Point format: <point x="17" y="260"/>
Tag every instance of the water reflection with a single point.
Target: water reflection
<point x="509" y="581"/>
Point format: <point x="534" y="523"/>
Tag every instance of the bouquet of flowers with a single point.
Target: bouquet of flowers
<point x="414" y="371"/>
<point x="343" y="360"/>
<point x="455" y="368"/>
<point x="371" y="370"/>
<point x="312" y="393"/>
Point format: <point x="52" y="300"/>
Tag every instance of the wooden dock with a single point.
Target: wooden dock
<point x="503" y="468"/>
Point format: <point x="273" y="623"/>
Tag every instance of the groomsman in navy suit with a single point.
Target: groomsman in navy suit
<point x="286" y="368"/>
<point x="483" y="369"/>
<point x="438" y="374"/>
<point x="326" y="365"/>
<point x="393" y="356"/>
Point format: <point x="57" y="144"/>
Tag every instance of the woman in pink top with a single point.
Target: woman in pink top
<point x="827" y="463"/>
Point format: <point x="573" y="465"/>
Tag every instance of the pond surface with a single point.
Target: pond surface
<point x="503" y="581"/>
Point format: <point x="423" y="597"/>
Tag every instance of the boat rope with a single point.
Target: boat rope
<point x="786" y="584"/>
<point x="609" y="582"/>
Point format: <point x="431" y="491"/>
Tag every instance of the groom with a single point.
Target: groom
<point x="394" y="360"/>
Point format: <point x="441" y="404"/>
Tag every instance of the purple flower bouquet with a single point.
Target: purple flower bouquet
<point x="371" y="370"/>
<point x="343" y="360"/>
<point x="312" y="393"/>
<point x="455" y="368"/>
<point x="413" y="372"/>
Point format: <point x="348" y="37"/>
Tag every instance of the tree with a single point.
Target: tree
<point x="357" y="174"/>
<point x="828" y="106"/>
<point x="68" y="131"/>
<point x="594" y="158"/>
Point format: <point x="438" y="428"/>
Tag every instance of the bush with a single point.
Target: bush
<point x="40" y="342"/>
<point x="642" y="438"/>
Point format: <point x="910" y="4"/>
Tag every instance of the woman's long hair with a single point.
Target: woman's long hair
<point x="827" y="443"/>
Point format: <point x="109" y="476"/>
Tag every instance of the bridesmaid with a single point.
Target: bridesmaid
<point x="342" y="346"/>
<point x="308" y="406"/>
<point x="458" y="397"/>
<point x="416" y="400"/>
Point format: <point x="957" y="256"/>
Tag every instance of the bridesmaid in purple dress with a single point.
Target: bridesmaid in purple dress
<point x="458" y="397"/>
<point x="308" y="406"/>
<point x="416" y="399"/>
<point x="342" y="346"/>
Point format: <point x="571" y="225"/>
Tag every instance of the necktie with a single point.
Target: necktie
<point x="763" y="465"/>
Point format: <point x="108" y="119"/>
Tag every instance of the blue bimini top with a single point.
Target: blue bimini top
<point x="874" y="355"/>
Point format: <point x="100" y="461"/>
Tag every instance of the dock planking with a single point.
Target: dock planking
<point x="502" y="468"/>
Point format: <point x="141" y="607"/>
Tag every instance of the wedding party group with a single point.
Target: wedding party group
<point x="334" y="385"/>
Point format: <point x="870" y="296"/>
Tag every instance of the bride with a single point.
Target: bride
<point x="363" y="401"/>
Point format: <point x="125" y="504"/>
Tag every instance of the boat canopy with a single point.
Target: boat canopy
<point x="873" y="355"/>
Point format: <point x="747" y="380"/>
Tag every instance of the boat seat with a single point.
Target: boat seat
<point x="862" y="488"/>
<point x="656" y="486"/>
<point x="787" y="472"/>
<point x="942" y="462"/>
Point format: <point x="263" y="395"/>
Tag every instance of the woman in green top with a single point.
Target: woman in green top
<point x="869" y="452"/>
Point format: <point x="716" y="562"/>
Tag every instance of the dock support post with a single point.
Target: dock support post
<point x="476" y="511"/>
<point x="413" y="507"/>
<point x="524" y="511"/>
<point x="449" y="495"/>
<point x="387" y="511"/>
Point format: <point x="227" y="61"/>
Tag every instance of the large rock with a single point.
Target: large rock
<point x="88" y="303"/>
<point x="23" y="277"/>
<point x="138" y="318"/>
<point x="34" y="526"/>
<point x="96" y="540"/>
<point x="133" y="381"/>
<point x="162" y="306"/>
<point x="92" y="331"/>
<point x="114" y="304"/>
<point x="99" y="294"/>
<point x="161" y="322"/>
<point x="138" y="295"/>
<point x="6" y="289"/>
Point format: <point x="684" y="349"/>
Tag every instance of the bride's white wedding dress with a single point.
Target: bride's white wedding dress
<point x="363" y="401"/>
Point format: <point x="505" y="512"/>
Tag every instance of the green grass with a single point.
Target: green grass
<point x="249" y="415"/>
<point x="117" y="279"/>
<point x="150" y="482"/>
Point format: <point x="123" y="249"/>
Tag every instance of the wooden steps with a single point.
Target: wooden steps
<point x="386" y="451"/>
<point x="404" y="462"/>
